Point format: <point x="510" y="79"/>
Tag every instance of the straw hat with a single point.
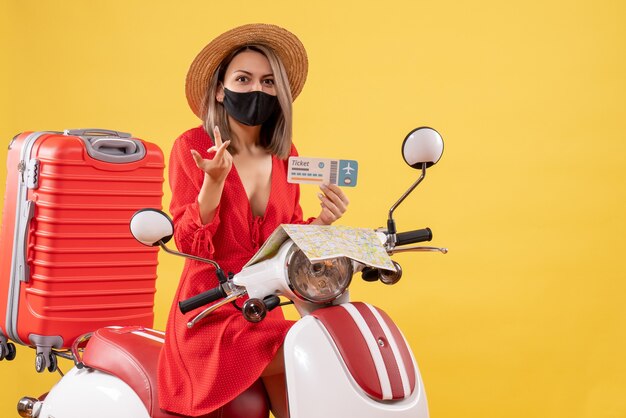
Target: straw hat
<point x="284" y="43"/>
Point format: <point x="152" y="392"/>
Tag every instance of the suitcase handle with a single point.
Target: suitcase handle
<point x="96" y="132"/>
<point x="114" y="150"/>
<point x="113" y="146"/>
<point x="23" y="269"/>
<point x="110" y="146"/>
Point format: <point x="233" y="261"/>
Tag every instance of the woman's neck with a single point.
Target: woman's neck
<point x="248" y="136"/>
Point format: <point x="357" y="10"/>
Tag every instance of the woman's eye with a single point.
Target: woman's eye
<point x="268" y="82"/>
<point x="242" y="79"/>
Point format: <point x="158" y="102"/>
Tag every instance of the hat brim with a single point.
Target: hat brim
<point x="285" y="44"/>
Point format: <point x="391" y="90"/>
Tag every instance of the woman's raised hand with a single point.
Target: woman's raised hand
<point x="218" y="167"/>
<point x="334" y="204"/>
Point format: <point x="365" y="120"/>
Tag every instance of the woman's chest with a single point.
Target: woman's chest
<point x="255" y="176"/>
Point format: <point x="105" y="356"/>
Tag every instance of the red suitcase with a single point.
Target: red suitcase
<point x="68" y="263"/>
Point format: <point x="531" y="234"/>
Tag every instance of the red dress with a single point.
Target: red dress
<point x="202" y="368"/>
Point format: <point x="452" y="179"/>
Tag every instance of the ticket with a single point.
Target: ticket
<point x="322" y="170"/>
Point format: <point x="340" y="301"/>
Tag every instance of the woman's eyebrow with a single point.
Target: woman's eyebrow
<point x="249" y="73"/>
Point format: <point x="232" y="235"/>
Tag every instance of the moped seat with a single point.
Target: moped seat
<point x="132" y="353"/>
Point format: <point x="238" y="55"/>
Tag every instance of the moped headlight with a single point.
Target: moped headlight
<point x="319" y="282"/>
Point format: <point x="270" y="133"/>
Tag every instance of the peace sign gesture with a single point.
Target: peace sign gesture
<point x="218" y="167"/>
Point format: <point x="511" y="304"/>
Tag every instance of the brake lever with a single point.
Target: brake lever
<point x="417" y="249"/>
<point x="236" y="294"/>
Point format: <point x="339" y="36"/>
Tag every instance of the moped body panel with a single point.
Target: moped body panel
<point x="92" y="393"/>
<point x="120" y="363"/>
<point x="320" y="384"/>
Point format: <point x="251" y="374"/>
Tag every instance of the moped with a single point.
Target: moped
<point x="342" y="358"/>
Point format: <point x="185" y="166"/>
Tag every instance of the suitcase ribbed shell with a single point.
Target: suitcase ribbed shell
<point x="85" y="268"/>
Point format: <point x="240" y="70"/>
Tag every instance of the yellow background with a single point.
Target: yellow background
<point x="525" y="316"/>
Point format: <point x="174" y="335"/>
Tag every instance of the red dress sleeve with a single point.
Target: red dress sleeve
<point x="190" y="235"/>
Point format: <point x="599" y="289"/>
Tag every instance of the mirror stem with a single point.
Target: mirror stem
<point x="391" y="224"/>
<point x="218" y="270"/>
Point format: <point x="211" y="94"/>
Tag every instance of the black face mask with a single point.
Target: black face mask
<point x="252" y="108"/>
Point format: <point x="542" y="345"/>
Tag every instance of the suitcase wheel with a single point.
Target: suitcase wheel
<point x="7" y="351"/>
<point x="42" y="363"/>
<point x="52" y="367"/>
<point x="12" y="352"/>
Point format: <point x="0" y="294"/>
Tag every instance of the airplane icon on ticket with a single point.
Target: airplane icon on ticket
<point x="348" y="169"/>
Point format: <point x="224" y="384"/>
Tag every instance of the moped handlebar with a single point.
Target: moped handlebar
<point x="201" y="299"/>
<point x="411" y="237"/>
<point x="211" y="295"/>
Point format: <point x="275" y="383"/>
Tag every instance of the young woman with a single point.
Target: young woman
<point x="229" y="192"/>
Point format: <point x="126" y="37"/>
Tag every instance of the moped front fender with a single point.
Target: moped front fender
<point x="320" y="384"/>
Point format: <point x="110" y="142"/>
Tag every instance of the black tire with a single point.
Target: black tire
<point x="53" y="363"/>
<point x="40" y="362"/>
<point x="12" y="352"/>
<point x="2" y="352"/>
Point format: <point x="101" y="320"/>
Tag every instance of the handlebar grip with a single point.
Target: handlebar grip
<point x="271" y="302"/>
<point x="370" y="274"/>
<point x="200" y="299"/>
<point x="411" y="237"/>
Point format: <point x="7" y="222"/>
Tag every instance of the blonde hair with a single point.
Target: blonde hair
<point x="277" y="131"/>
